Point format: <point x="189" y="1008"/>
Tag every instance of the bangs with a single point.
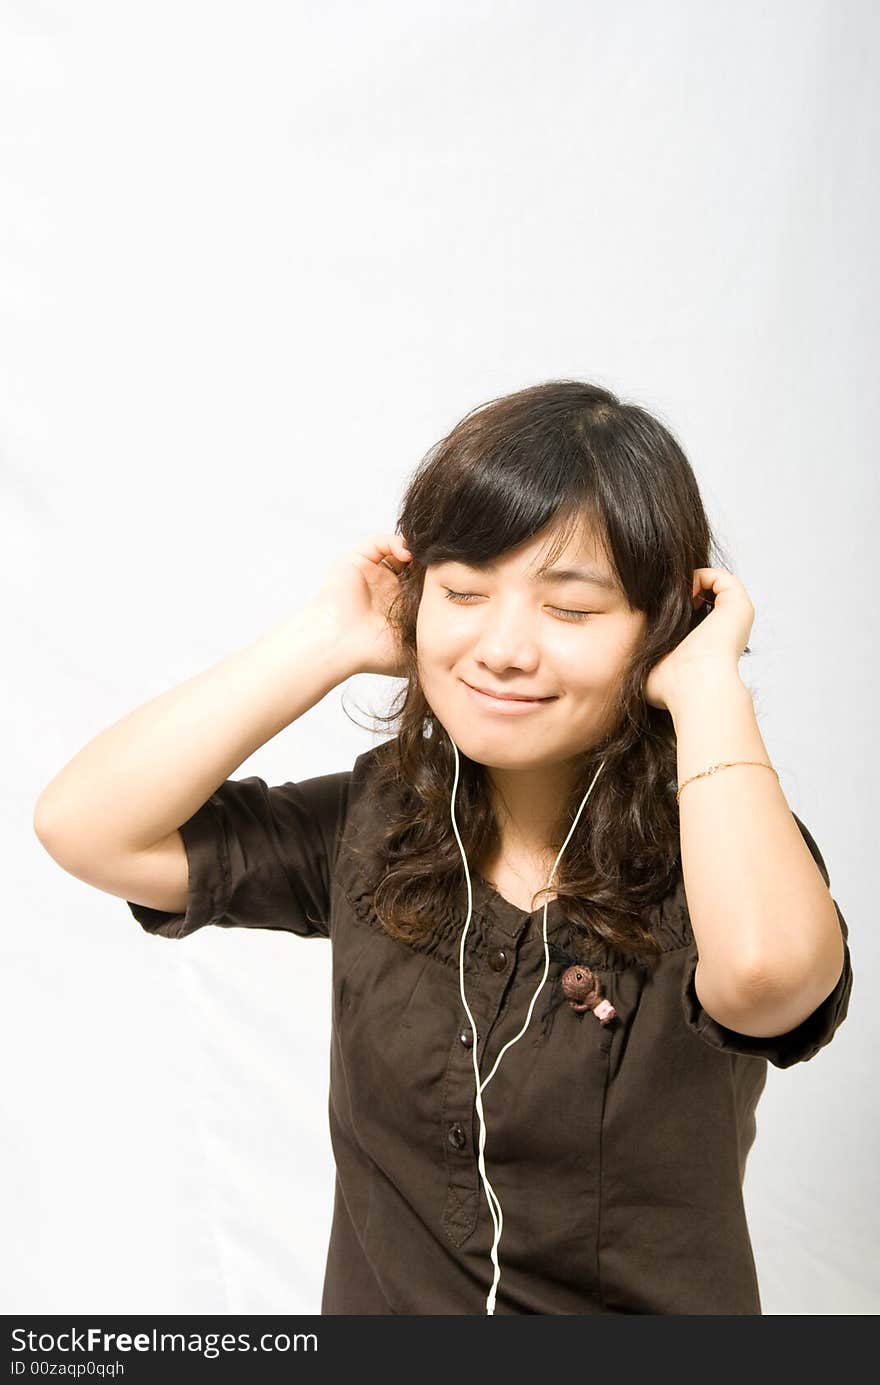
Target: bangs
<point x="505" y="497"/>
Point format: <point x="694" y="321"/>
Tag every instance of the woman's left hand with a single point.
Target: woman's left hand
<point x="717" y="642"/>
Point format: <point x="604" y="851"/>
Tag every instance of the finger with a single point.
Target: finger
<point x="703" y="585"/>
<point x="379" y="546"/>
<point x="375" y="547"/>
<point x="399" y="555"/>
<point x="396" y="561"/>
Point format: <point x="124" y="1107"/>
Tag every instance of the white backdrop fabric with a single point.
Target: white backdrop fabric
<point x="256" y="259"/>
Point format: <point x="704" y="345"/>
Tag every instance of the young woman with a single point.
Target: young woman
<point x="572" y="916"/>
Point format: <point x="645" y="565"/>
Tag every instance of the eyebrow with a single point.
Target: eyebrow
<point x="590" y="575"/>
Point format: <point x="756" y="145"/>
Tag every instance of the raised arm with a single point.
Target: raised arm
<point x="111" y="814"/>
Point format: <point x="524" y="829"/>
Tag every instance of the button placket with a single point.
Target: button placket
<point x="496" y="974"/>
<point x="494" y="964"/>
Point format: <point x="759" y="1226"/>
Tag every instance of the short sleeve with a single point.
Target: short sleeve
<point x="259" y="857"/>
<point x="782" y="1050"/>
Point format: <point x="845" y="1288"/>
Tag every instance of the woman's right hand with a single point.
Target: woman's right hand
<point x="356" y="597"/>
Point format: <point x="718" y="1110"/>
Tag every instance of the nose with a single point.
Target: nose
<point x="506" y="639"/>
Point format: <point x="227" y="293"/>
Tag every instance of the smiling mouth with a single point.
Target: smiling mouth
<point x="506" y="699"/>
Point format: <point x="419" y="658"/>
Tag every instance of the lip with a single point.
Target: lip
<point x="509" y="705"/>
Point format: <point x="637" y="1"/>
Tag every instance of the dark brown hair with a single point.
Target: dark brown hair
<point x="561" y="452"/>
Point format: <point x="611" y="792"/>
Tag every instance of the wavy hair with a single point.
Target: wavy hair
<point x="561" y="452"/>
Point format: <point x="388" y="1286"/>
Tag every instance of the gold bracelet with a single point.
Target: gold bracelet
<point x="722" y="764"/>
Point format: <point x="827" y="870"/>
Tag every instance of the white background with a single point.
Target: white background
<point x="256" y="259"/>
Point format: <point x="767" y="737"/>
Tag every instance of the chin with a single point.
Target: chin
<point x="502" y="748"/>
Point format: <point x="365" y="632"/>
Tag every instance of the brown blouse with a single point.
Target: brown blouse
<point x="617" y="1150"/>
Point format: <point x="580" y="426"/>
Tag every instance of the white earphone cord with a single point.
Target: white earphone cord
<point x="497" y="1218"/>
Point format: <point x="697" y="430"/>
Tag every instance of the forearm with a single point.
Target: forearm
<point x="143" y="776"/>
<point x="762" y="916"/>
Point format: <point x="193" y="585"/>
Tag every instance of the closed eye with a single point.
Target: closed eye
<point x="465" y="598"/>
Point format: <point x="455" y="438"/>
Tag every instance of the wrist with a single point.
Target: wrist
<point x="709" y="681"/>
<point x="316" y="628"/>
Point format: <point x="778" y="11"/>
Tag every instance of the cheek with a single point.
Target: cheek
<point x="426" y="632"/>
<point x="589" y="667"/>
<point x="426" y="637"/>
<point x="431" y="649"/>
<point x="440" y="637"/>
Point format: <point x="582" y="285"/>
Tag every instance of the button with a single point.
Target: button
<point x="467" y="1038"/>
<point x="456" y="1135"/>
<point x="498" y="959"/>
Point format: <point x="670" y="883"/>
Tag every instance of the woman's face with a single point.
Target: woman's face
<point x="508" y="630"/>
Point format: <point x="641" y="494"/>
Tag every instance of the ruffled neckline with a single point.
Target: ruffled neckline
<point x="493" y="917"/>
